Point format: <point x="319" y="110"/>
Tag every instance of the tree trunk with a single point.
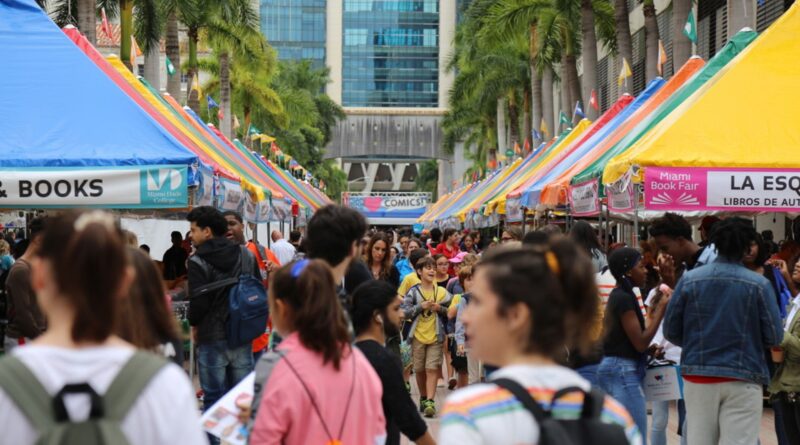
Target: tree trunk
<point x="501" y="126"/>
<point x="513" y="121"/>
<point x="536" y="79"/>
<point x="566" y="93"/>
<point x="536" y="106"/>
<point x="624" y="41"/>
<point x="126" y="30"/>
<point x="588" y="57"/>
<point x="681" y="45"/>
<point x="192" y="98"/>
<point x="547" y="101"/>
<point x="87" y="19"/>
<point x="225" y="94"/>
<point x="573" y="83"/>
<point x="526" y="120"/>
<point x="651" y="40"/>
<point x="152" y="67"/>
<point x="173" y="48"/>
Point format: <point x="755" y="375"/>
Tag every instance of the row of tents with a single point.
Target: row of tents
<point x="719" y="136"/>
<point x="80" y="130"/>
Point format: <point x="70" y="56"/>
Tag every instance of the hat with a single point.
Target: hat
<point x="458" y="258"/>
<point x="622" y="261"/>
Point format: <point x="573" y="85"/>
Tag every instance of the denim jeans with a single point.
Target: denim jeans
<point x="658" y="431"/>
<point x="589" y="372"/>
<point x="221" y="368"/>
<point x="622" y="379"/>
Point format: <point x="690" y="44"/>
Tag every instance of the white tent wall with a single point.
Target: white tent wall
<point x="155" y="232"/>
<point x="772" y="221"/>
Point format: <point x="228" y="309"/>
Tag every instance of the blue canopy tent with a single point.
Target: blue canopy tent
<point x="70" y="136"/>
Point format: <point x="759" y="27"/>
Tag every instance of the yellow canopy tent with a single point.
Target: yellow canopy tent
<point x="746" y="117"/>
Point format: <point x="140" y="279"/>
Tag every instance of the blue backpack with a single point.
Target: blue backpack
<point x="247" y="303"/>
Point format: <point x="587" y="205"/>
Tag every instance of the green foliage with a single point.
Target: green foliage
<point x="428" y="177"/>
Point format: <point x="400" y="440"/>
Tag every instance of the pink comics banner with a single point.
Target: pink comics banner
<point x="742" y="189"/>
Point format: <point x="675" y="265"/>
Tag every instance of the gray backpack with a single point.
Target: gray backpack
<point x="49" y="416"/>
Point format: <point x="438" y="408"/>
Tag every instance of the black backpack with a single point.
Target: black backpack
<point x="588" y="429"/>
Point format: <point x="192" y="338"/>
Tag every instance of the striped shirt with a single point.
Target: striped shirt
<point x="488" y="414"/>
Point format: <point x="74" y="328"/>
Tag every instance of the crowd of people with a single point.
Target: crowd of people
<point x="524" y="329"/>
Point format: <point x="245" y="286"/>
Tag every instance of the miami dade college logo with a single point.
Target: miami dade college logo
<point x="158" y="179"/>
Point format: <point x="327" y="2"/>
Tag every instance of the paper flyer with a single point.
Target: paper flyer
<point x="222" y="420"/>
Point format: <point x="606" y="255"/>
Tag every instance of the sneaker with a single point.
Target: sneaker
<point x="422" y="404"/>
<point x="430" y="408"/>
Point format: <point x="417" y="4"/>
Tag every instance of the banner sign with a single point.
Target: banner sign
<point x="134" y="187"/>
<point x="388" y="204"/>
<point x="730" y="189"/>
<point x="584" y="198"/>
<point x="230" y="195"/>
<point x="620" y="194"/>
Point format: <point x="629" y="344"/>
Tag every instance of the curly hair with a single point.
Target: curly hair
<point x="671" y="225"/>
<point x="732" y="237"/>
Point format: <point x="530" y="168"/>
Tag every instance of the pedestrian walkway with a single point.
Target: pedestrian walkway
<point x="767" y="420"/>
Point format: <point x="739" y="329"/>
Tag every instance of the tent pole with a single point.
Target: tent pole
<point x="635" y="217"/>
<point x="524" y="219"/>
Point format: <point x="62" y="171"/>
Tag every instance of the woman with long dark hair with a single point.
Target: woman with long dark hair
<point x="144" y="318"/>
<point x="80" y="272"/>
<point x="583" y="234"/>
<point x="379" y="260"/>
<point x="314" y="388"/>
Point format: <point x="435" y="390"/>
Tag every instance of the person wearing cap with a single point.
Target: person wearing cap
<point x="627" y="340"/>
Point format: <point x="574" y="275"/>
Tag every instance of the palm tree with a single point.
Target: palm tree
<point x="87" y="19"/>
<point x="174" y="11"/>
<point x="681" y="45"/>
<point x="596" y="18"/>
<point x="624" y="40"/>
<point x="651" y="39"/>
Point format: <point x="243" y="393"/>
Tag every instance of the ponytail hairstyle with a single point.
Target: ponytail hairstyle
<point x="87" y="254"/>
<point x="556" y="285"/>
<point x="307" y="287"/>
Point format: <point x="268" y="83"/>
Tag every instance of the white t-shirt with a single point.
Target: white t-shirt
<point x="671" y="351"/>
<point x="284" y="251"/>
<point x="606" y="283"/>
<point x="486" y="414"/>
<point x="166" y="412"/>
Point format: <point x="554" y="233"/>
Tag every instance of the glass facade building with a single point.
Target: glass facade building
<point x="295" y="28"/>
<point x="390" y="53"/>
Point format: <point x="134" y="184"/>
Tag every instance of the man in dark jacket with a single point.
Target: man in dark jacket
<point x="217" y="258"/>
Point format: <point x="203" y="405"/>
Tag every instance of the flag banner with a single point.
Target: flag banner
<point x="690" y="28"/>
<point x="170" y="67"/>
<point x="593" y="102"/>
<point x="211" y="102"/>
<point x="563" y="119"/>
<point x="578" y="111"/>
<point x="105" y="26"/>
<point x="135" y="51"/>
<point x="702" y="189"/>
<point x="625" y="73"/>
<point x="662" y="58"/>
<point x="147" y="187"/>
